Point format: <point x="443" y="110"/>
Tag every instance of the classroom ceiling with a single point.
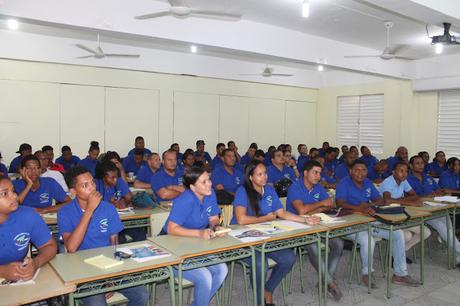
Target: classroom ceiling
<point x="270" y="32"/>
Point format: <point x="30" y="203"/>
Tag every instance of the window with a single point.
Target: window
<point x="449" y="123"/>
<point x="360" y="121"/>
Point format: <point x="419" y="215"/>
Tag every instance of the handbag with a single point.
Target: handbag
<point x="390" y="210"/>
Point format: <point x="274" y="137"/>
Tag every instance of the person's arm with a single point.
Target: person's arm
<point x="312" y="208"/>
<point x="25" y="176"/>
<point x="219" y="187"/>
<point x="73" y="240"/>
<point x="411" y="200"/>
<point x="362" y="208"/>
<point x="170" y="192"/>
<point x="139" y="184"/>
<point x="178" y="230"/>
<point x="287" y="215"/>
<point x="243" y="219"/>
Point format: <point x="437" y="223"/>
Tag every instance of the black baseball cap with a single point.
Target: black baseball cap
<point x="24" y="147"/>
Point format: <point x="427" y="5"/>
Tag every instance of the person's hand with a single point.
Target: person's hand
<point x="365" y="209"/>
<point x="327" y="204"/>
<point x="180" y="188"/>
<point x="312" y="220"/>
<point x="25" y="176"/>
<point x="27" y="269"/>
<point x="219" y="228"/>
<point x="94" y="199"/>
<point x="270" y="217"/>
<point x="11" y="271"/>
<point x="207" y="234"/>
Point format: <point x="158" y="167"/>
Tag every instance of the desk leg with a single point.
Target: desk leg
<point x="172" y="290"/>
<point x="454" y="237"/>
<point x="71" y="299"/>
<point x="422" y="252"/>
<point x="322" y="294"/>
<point x="262" y="274"/>
<point x="390" y="255"/>
<point x="369" y="258"/>
<point x="254" y="279"/>
<point x="230" y="285"/>
<point x="180" y="297"/>
<point x="450" y="247"/>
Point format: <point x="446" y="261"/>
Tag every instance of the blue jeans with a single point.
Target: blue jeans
<point x="206" y="280"/>
<point x="399" y="250"/>
<point x="137" y="296"/>
<point x="285" y="260"/>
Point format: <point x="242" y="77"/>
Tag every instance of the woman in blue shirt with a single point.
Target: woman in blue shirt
<point x="438" y="166"/>
<point x="449" y="180"/>
<point x="257" y="202"/>
<point x="90" y="162"/>
<point x="195" y="213"/>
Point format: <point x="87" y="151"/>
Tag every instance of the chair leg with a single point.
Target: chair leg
<point x="283" y="291"/>
<point x="353" y="259"/>
<point x="302" y="287"/>
<point x="382" y="260"/>
<point x="230" y="285"/>
<point x="189" y="296"/>
<point x="153" y="293"/>
<point x="245" y="284"/>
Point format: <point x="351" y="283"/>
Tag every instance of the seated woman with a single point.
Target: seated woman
<point x="90" y="162"/>
<point x="114" y="157"/>
<point x="19" y="226"/>
<point x="38" y="192"/>
<point x="449" y="180"/>
<point x="438" y="166"/>
<point x="195" y="213"/>
<point x="257" y="202"/>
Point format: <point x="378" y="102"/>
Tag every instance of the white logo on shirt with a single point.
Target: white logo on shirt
<point x="44" y="198"/>
<point x="368" y="192"/>
<point x="316" y="196"/>
<point x="269" y="200"/>
<point x="179" y="181"/>
<point x="22" y="240"/>
<point x="104" y="225"/>
<point x="286" y="175"/>
<point x="208" y="211"/>
<point x="430" y="181"/>
<point x="237" y="180"/>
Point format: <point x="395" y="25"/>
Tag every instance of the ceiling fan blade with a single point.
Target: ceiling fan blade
<point x="405" y="58"/>
<point x="249" y="74"/>
<point x="121" y="55"/>
<point x="215" y="15"/>
<point x="177" y="2"/>
<point x="282" y="74"/>
<point x="154" y="15"/>
<point x="88" y="49"/>
<point x="358" y="56"/>
<point x="85" y="56"/>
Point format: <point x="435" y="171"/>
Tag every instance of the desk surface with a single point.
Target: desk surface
<point x="72" y="270"/>
<point x="412" y="211"/>
<point x="428" y="208"/>
<point x="47" y="285"/>
<point x="312" y="229"/>
<point x="350" y="220"/>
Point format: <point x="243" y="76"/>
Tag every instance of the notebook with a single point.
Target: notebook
<point x="103" y="262"/>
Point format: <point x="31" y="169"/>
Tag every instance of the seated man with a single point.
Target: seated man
<point x="356" y="192"/>
<point x="38" y="192"/>
<point x="401" y="155"/>
<point x="201" y="156"/>
<point x="232" y="146"/>
<point x="25" y="149"/>
<point x="217" y="160"/>
<point x="396" y="189"/>
<point x="227" y="177"/>
<point x="307" y="196"/>
<point x="167" y="182"/>
<point x="343" y="170"/>
<point x="279" y="170"/>
<point x="145" y="174"/>
<point x="49" y="151"/>
<point x="47" y="172"/>
<point x="132" y="163"/>
<point x="89" y="222"/>
<point x="21" y="226"/>
<point x="344" y="149"/>
<point x="67" y="159"/>
<point x="330" y="163"/>
<point x="139" y="144"/>
<point x="303" y="155"/>
<point x="179" y="155"/>
<point x="324" y="147"/>
<point x="259" y="155"/>
<point x="449" y="180"/>
<point x="367" y="157"/>
<point x="325" y="181"/>
<point x="249" y="155"/>
<point x="378" y="172"/>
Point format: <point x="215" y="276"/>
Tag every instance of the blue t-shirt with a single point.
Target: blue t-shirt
<point x="3" y="170"/>
<point x="130" y="166"/>
<point x="189" y="212"/>
<point x="104" y="223"/>
<point x="298" y="191"/>
<point x="89" y="164"/>
<point x="326" y="178"/>
<point x="396" y="191"/>
<point x="449" y="180"/>
<point x="268" y="203"/>
<point x="108" y="192"/>
<point x="245" y="159"/>
<point x="274" y="174"/>
<point x="22" y="227"/>
<point x="15" y="164"/>
<point x="301" y="162"/>
<point x="370" y="161"/>
<point x="74" y="160"/>
<point x="374" y="175"/>
<point x="179" y="157"/>
<point x="162" y="179"/>
<point x="330" y="167"/>
<point x="434" y="167"/>
<point x="230" y="181"/>
<point x="145" y="174"/>
<point x="147" y="152"/>
<point x="424" y="187"/>
<point x="348" y="191"/>
<point x="341" y="171"/>
<point x="217" y="162"/>
<point x="206" y="156"/>
<point x="392" y="161"/>
<point x="42" y="197"/>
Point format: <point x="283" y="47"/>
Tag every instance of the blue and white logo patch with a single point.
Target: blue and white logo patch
<point x="316" y="196"/>
<point x="44" y="198"/>
<point x="22" y="240"/>
<point x="269" y="201"/>
<point x="237" y="180"/>
<point x="179" y="181"/>
<point x="104" y="225"/>
<point x="286" y="175"/>
<point x="208" y="211"/>
<point x="368" y="192"/>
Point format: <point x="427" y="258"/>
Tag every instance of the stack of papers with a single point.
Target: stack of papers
<point x="325" y="219"/>
<point x="248" y="235"/>
<point x="448" y="199"/>
<point x="434" y="204"/>
<point x="103" y="262"/>
<point x="277" y="226"/>
<point x="125" y="211"/>
<point x="144" y="252"/>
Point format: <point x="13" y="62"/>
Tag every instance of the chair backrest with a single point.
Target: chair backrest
<point x="283" y="201"/>
<point x="157" y="220"/>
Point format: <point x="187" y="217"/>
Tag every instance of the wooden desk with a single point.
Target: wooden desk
<point x="90" y="280"/>
<point x="47" y="285"/>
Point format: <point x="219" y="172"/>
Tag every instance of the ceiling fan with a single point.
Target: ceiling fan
<point x="268" y="72"/>
<point x="446" y="38"/>
<point x="99" y="53"/>
<point x="389" y="52"/>
<point x="179" y="9"/>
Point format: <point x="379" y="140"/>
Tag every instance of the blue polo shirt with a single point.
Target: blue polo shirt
<point x="3" y="169"/>
<point x="396" y="191"/>
<point x="162" y="179"/>
<point x="268" y="203"/>
<point x="74" y="160"/>
<point x="267" y="160"/>
<point x="22" y="227"/>
<point x="189" y="212"/>
<point x="274" y="174"/>
<point x="217" y="162"/>
<point x="329" y="167"/>
<point x="434" y="167"/>
<point x="374" y="175"/>
<point x="179" y="158"/>
<point x="145" y="174"/>
<point x="298" y="191"/>
<point x="42" y="197"/>
<point x="15" y="164"/>
<point x="326" y="178"/>
<point x="341" y="171"/>
<point x="89" y="164"/>
<point x="424" y="187"/>
<point x="205" y="155"/>
<point x="301" y="162"/>
<point x="322" y="152"/>
<point x="392" y="161"/>
<point x="108" y="192"/>
<point x="245" y="159"/>
<point x="348" y="191"/>
<point x="230" y="181"/>
<point x="104" y="223"/>
<point x="130" y="166"/>
<point x="370" y="161"/>
<point x="449" y="180"/>
<point x="147" y="152"/>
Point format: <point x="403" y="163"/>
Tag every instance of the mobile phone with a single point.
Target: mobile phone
<point x="122" y="255"/>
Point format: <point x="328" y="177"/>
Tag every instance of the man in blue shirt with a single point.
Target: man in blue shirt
<point x="330" y="163"/>
<point x="307" y="196"/>
<point x="401" y="155"/>
<point x="303" y="155"/>
<point x="324" y="147"/>
<point x="279" y="170"/>
<point x="132" y="163"/>
<point x="367" y="157"/>
<point x="25" y="149"/>
<point x="249" y="155"/>
<point x="227" y="177"/>
<point x="179" y="155"/>
<point x="139" y="144"/>
<point x="145" y="174"/>
<point x="326" y="181"/>
<point x="217" y="160"/>
<point x="232" y="146"/>
<point x="67" y="159"/>
<point x="356" y="192"/>
<point x="167" y="182"/>
<point x="89" y="222"/>
<point x="201" y="156"/>
<point x="378" y="172"/>
<point x="344" y="149"/>
<point x="343" y="170"/>
<point x="19" y="227"/>
<point x="449" y="180"/>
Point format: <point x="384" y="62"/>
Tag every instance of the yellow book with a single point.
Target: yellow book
<point x="103" y="262"/>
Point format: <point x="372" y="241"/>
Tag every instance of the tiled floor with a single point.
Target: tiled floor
<point x="441" y="287"/>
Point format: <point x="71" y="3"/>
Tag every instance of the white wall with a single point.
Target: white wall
<point x="44" y="103"/>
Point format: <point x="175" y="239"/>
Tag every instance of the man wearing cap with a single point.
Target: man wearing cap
<point x="24" y="150"/>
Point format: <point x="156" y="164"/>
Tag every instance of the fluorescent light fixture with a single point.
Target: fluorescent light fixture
<point x="306" y="8"/>
<point x="320" y="68"/>
<point x="13" y="24"/>
<point x="438" y="48"/>
<point x="193" y="49"/>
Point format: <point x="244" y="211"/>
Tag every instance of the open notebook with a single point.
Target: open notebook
<point x="103" y="262"/>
